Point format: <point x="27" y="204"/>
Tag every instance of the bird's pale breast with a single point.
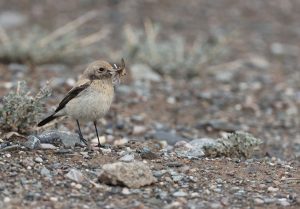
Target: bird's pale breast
<point x="93" y="103"/>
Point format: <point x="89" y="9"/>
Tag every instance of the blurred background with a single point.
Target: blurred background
<point x="196" y="68"/>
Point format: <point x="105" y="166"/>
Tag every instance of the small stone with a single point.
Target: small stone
<point x="78" y="186"/>
<point x="121" y="141"/>
<point x="68" y="139"/>
<point x="53" y="199"/>
<point x="45" y="172"/>
<point x="75" y="175"/>
<point x="224" y="76"/>
<point x="8" y="155"/>
<point x="284" y="202"/>
<point x="102" y="140"/>
<point x="171" y="100"/>
<point x="132" y="175"/>
<point x="147" y="153"/>
<point x="138" y="130"/>
<point x="38" y="159"/>
<point x="126" y="191"/>
<point x="32" y="142"/>
<point x="105" y="150"/>
<point x="215" y="205"/>
<point x="272" y="189"/>
<point x="258" y="201"/>
<point x="180" y="194"/>
<point x="137" y="118"/>
<point x="127" y="158"/>
<point x="193" y="149"/>
<point x="6" y="199"/>
<point x="47" y="146"/>
<point x="257" y="62"/>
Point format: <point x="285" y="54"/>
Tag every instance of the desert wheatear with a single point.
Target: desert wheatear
<point x="91" y="97"/>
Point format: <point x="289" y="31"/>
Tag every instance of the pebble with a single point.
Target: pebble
<point x="38" y="159"/>
<point x="284" y="202"/>
<point x="216" y="205"/>
<point x="75" y="175"/>
<point x="137" y="118"/>
<point x="53" y="199"/>
<point x="45" y="172"/>
<point x="32" y="142"/>
<point x="127" y="158"/>
<point x="126" y="191"/>
<point x="272" y="189"/>
<point x="6" y="199"/>
<point x="8" y="155"/>
<point x="47" y="146"/>
<point x="138" y="130"/>
<point x="133" y="174"/>
<point x="194" y="148"/>
<point x="121" y="141"/>
<point x="180" y="194"/>
<point x="258" y="201"/>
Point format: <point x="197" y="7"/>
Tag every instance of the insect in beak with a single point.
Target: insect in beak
<point x="120" y="70"/>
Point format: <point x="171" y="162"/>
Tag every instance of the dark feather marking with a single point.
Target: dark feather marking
<point x="72" y="94"/>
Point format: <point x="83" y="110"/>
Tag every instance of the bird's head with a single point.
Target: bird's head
<point x="98" y="70"/>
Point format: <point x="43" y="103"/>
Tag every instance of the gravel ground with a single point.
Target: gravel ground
<point x="254" y="88"/>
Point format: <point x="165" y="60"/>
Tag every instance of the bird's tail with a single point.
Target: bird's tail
<point x="47" y="120"/>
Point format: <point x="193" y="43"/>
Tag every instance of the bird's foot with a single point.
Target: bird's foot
<point x="83" y="140"/>
<point x="104" y="146"/>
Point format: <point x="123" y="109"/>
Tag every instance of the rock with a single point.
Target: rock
<point x="127" y="158"/>
<point x="68" y="139"/>
<point x="168" y="137"/>
<point x="138" y="130"/>
<point x="132" y="175"/>
<point x="284" y="202"/>
<point x="10" y="19"/>
<point x="102" y="140"/>
<point x="38" y="159"/>
<point x="121" y="141"/>
<point x="284" y="49"/>
<point x="224" y="76"/>
<point x="238" y="144"/>
<point x="257" y="62"/>
<point x="137" y="118"/>
<point x="144" y="72"/>
<point x="45" y="172"/>
<point x="272" y="189"/>
<point x="258" y="201"/>
<point x="47" y="146"/>
<point x="180" y="194"/>
<point x="75" y="175"/>
<point x="32" y="142"/>
<point x="147" y="153"/>
<point x="193" y="149"/>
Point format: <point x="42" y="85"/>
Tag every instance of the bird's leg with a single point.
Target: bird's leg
<point x="80" y="134"/>
<point x="95" y="124"/>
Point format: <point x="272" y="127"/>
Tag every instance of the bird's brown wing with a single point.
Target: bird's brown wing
<point x="72" y="94"/>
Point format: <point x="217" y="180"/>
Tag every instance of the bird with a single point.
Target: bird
<point x="91" y="96"/>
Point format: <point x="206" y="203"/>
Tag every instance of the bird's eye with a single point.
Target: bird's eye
<point x="101" y="69"/>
